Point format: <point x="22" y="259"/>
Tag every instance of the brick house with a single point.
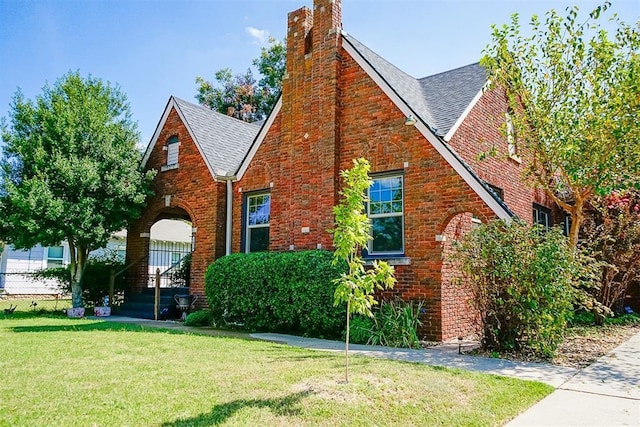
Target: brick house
<point x="195" y="151"/>
<point x="340" y="101"/>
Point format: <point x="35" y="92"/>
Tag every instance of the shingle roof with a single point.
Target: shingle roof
<point x="223" y="140"/>
<point x="439" y="100"/>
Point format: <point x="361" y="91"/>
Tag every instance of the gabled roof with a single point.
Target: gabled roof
<point x="223" y="141"/>
<point x="440" y="100"/>
<point x="453" y="91"/>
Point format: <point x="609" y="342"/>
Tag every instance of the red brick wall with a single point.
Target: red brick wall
<point x="194" y="194"/>
<point x="373" y="127"/>
<point x="315" y="136"/>
<point x="480" y="132"/>
<point x="458" y="315"/>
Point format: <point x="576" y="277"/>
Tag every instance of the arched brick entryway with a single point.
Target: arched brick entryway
<point x="207" y="244"/>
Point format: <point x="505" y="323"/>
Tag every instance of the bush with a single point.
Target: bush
<point x="522" y="280"/>
<point x="360" y="329"/>
<point x="612" y="233"/>
<point x="199" y="318"/>
<point x="289" y="292"/>
<point x="394" y="324"/>
<point x="95" y="283"/>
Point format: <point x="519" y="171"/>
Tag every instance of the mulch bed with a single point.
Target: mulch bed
<point x="582" y="345"/>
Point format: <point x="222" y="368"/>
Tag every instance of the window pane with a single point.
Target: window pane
<point x="386" y="195"/>
<point x="259" y="209"/>
<point x="175" y="257"/>
<point x="258" y="239"/>
<point x="55" y="252"/>
<point x="387" y="234"/>
<point x="542" y="216"/>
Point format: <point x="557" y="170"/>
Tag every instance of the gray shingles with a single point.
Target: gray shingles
<point x="451" y="92"/>
<point x="223" y="140"/>
<point x="439" y="100"/>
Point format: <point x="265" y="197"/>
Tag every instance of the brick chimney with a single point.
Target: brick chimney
<point x="309" y="120"/>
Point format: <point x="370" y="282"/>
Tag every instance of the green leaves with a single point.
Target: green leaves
<point x="350" y="235"/>
<point x="239" y="95"/>
<point x="70" y="169"/>
<point x="287" y="292"/>
<point x="524" y="281"/>
<point x="575" y="95"/>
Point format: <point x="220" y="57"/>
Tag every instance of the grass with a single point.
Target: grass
<point x="79" y="372"/>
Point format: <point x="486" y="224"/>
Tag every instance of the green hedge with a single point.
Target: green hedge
<point x="289" y="292"/>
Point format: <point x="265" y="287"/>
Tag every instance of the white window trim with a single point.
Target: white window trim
<point x="385" y="215"/>
<point x="248" y="228"/>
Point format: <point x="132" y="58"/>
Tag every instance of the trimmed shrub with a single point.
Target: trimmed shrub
<point x="524" y="282"/>
<point x="290" y="292"/>
<point x="199" y="318"/>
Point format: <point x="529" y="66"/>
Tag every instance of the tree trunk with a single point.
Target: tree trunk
<point x="78" y="263"/>
<point x="346" y="345"/>
<point x="577" y="216"/>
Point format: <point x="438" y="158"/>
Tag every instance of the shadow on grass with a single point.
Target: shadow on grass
<point x="93" y="326"/>
<point x="283" y="406"/>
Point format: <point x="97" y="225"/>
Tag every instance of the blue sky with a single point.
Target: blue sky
<point x="154" y="49"/>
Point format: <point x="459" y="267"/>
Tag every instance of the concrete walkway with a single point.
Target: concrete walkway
<point x="442" y="355"/>
<point x="607" y="393"/>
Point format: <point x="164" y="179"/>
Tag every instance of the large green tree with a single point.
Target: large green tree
<point x="70" y="169"/>
<point x="574" y="95"/>
<point x="240" y="95"/>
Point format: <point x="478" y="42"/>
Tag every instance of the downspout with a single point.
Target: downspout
<point x="229" y="224"/>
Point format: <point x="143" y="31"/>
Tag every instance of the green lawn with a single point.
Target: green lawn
<point x="57" y="371"/>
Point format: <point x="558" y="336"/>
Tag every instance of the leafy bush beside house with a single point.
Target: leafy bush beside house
<point x="288" y="292"/>
<point x="612" y="234"/>
<point x="394" y="323"/>
<point x="523" y="280"/>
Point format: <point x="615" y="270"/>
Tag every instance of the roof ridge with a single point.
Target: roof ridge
<point x="449" y="71"/>
<point x="206" y="108"/>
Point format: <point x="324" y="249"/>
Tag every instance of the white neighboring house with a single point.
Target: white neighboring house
<point x="170" y="240"/>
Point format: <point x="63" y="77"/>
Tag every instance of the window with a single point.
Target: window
<point x="257" y="225"/>
<point x="386" y="212"/>
<point x="121" y="252"/>
<point x="566" y="224"/>
<point x="55" y="256"/>
<point x="173" y="144"/>
<point x="541" y="215"/>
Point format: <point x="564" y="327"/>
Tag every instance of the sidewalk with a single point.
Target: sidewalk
<point x="607" y="393"/>
<point x="446" y="355"/>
